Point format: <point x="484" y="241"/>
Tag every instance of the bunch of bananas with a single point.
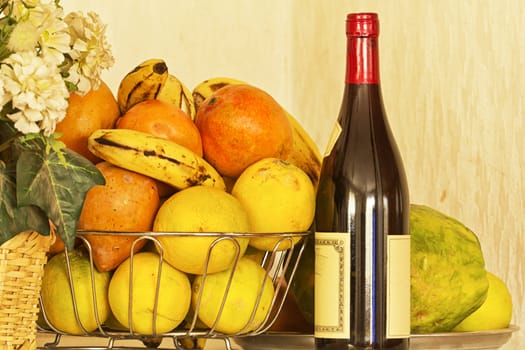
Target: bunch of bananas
<point x="151" y="80"/>
<point x="166" y="160"/>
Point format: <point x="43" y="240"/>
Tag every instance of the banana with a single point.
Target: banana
<point x="209" y="86"/>
<point x="305" y="153"/>
<point x="143" y="82"/>
<point x="155" y="157"/>
<point x="192" y="343"/>
<point x="175" y="92"/>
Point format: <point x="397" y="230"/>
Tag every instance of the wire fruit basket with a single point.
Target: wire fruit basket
<point x="279" y="266"/>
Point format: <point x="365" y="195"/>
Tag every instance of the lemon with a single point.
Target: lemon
<point x="57" y="298"/>
<point x="494" y="313"/>
<point x="279" y="197"/>
<point x="173" y="296"/>
<point x="201" y="209"/>
<point x="242" y="295"/>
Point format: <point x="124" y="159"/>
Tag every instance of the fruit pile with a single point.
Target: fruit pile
<point x="198" y="186"/>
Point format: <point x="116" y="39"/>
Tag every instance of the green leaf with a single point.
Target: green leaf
<point x="13" y="219"/>
<point x="56" y="179"/>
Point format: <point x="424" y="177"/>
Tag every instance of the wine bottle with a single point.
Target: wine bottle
<point x="362" y="240"/>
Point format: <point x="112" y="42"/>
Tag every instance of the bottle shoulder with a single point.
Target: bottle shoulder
<point x="366" y="143"/>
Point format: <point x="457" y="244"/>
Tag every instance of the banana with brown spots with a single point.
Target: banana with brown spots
<point x="155" y="157"/>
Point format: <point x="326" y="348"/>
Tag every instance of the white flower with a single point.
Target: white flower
<point x="37" y="91"/>
<point x="47" y="54"/>
<point x="46" y="19"/>
<point x="20" y="8"/>
<point x="23" y="38"/>
<point x="54" y="39"/>
<point x="90" y="52"/>
<point x="4" y="97"/>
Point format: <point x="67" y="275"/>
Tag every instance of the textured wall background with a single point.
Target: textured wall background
<point x="453" y="84"/>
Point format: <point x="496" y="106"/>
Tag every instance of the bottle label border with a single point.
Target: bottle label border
<point x="333" y="246"/>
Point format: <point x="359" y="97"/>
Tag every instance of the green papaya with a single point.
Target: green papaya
<point x="448" y="277"/>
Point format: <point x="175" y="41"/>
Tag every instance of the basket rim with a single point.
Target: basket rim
<point x="30" y="240"/>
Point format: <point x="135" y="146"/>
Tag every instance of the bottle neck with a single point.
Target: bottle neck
<point x="362" y="60"/>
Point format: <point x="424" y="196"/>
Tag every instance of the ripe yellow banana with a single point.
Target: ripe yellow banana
<point x="155" y="157"/>
<point x="143" y="82"/>
<point x="177" y="93"/>
<point x="209" y="86"/>
<point x="305" y="153"/>
<point x="192" y="343"/>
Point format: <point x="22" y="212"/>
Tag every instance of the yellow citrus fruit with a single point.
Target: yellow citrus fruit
<point x="173" y="299"/>
<point x="249" y="283"/>
<point x="201" y="209"/>
<point x="56" y="293"/>
<point x="494" y="313"/>
<point x="279" y="197"/>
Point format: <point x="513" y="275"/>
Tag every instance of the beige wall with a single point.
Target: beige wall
<point x="453" y="84"/>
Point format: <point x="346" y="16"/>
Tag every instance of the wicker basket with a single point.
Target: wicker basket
<point x="22" y="260"/>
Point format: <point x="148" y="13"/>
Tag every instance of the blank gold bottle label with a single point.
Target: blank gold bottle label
<point x="336" y="131"/>
<point x="398" y="287"/>
<point x="332" y="285"/>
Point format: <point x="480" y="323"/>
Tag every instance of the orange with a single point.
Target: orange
<point x="241" y="124"/>
<point x="127" y="202"/>
<point x="165" y="120"/>
<point x="98" y="109"/>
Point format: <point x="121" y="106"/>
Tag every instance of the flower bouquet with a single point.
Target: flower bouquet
<point x="45" y="56"/>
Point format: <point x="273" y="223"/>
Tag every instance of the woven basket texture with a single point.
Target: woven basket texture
<point x="22" y="261"/>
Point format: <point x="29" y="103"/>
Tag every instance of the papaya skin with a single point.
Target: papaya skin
<point x="448" y="276"/>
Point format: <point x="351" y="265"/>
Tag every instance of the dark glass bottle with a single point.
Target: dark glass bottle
<point x="362" y="241"/>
